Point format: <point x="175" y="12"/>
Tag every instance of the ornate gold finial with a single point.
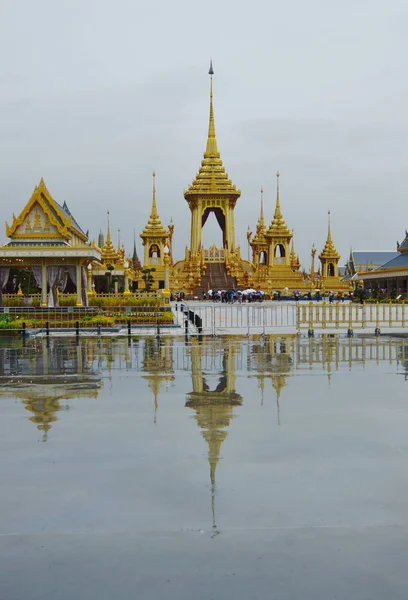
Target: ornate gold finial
<point x="108" y="236"/>
<point x="118" y="240"/>
<point x="154" y="214"/>
<point x="211" y="149"/>
<point x="278" y="192"/>
<point x="261" y="215"/>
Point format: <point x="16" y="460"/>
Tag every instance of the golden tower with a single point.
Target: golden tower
<point x="329" y="259"/>
<point x="110" y="256"/>
<point x="212" y="191"/>
<point x="278" y="235"/>
<point x="274" y="261"/>
<point x="155" y="240"/>
<point x="259" y="243"/>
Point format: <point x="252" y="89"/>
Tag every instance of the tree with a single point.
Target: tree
<point x="148" y="278"/>
<point x="108" y="273"/>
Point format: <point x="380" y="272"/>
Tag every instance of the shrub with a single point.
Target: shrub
<point x="68" y="300"/>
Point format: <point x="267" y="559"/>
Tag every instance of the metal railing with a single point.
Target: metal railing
<point x="236" y="318"/>
<point x="20" y="320"/>
<point x="351" y="316"/>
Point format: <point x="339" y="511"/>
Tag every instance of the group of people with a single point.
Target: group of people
<point x="231" y="296"/>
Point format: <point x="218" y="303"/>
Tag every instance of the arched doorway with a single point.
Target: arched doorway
<point x="330" y="270"/>
<point x="154" y="254"/>
<point x="220" y="217"/>
<point x="279" y="254"/>
<point x="263" y="258"/>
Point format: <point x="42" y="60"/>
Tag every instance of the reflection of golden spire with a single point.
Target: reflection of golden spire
<point x="158" y="363"/>
<point x="211" y="177"/>
<point x="44" y="410"/>
<point x="278" y="382"/>
<point x="262" y="387"/>
<point x="329" y="251"/>
<point x="278" y="225"/>
<point x="155" y="385"/>
<point x="213" y="409"/>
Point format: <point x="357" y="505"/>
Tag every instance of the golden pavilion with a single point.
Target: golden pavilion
<point x="46" y="239"/>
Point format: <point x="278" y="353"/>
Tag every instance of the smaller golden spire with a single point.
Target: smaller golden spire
<point x="329" y="251"/>
<point x="278" y="225"/>
<point x="109" y="254"/>
<point x="294" y="258"/>
<point x="261" y="217"/>
<point x="154" y="225"/>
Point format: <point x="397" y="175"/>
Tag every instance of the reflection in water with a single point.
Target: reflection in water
<point x="158" y="364"/>
<point x="213" y="408"/>
<point x="42" y="373"/>
<point x="272" y="359"/>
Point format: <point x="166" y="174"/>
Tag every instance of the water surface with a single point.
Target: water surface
<point x="220" y="468"/>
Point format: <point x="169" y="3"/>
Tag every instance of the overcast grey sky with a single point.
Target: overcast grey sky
<point x="95" y="94"/>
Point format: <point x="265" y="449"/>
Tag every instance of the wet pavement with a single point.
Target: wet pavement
<point x="237" y="468"/>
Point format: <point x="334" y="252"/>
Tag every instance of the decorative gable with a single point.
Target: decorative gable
<point x="43" y="218"/>
<point x="37" y="224"/>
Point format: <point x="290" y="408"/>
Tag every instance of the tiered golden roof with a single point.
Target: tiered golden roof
<point x="211" y="177"/>
<point x="57" y="215"/>
<point x="154" y="227"/>
<point x="278" y="226"/>
<point x="329" y="251"/>
<point x="108" y="252"/>
<point x="259" y="236"/>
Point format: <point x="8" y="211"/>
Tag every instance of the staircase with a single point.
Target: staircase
<point x="215" y="278"/>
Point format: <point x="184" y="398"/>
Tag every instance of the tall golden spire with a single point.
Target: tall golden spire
<point x="154" y="226"/>
<point x="278" y="225"/>
<point x="329" y="251"/>
<point x="211" y="177"/>
<point x="211" y="149"/>
<point x="261" y="216"/>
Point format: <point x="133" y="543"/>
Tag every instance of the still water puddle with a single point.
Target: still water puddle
<point x="146" y="435"/>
